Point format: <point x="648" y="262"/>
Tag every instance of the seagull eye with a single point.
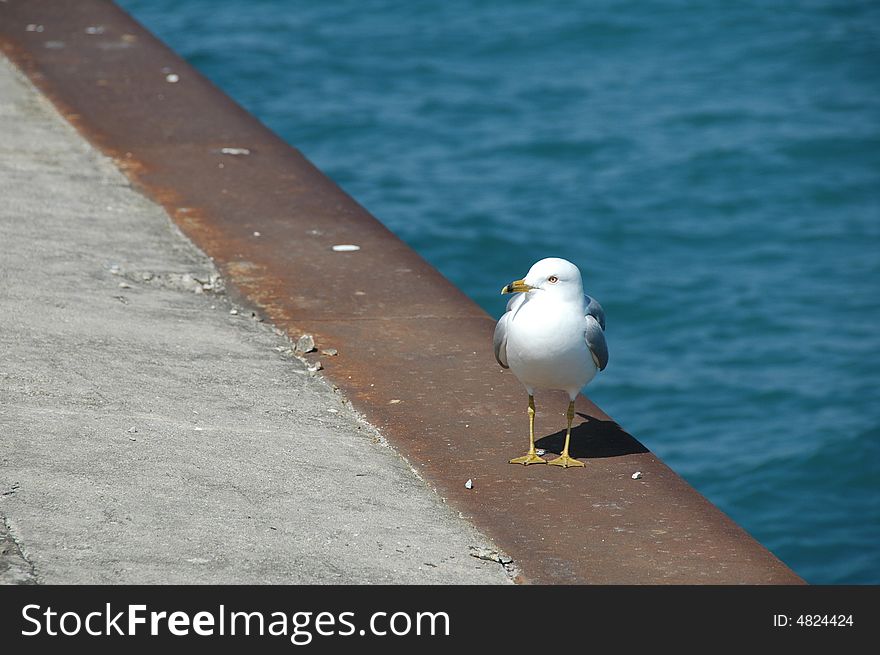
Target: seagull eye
<point x="553" y="279"/>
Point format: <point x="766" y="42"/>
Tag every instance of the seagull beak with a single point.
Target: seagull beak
<point x="517" y="286"/>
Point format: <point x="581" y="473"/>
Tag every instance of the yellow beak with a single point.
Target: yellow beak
<point x="517" y="286"/>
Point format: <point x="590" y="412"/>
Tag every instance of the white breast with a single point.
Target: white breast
<point x="546" y="347"/>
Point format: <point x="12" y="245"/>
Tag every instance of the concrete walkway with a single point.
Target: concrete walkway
<point x="150" y="435"/>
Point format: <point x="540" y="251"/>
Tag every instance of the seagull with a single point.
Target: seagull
<point x="551" y="336"/>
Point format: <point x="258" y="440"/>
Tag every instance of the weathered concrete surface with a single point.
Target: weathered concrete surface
<point x="14" y="568"/>
<point x="147" y="435"/>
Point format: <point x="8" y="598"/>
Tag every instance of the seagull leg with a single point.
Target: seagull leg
<point x="564" y="460"/>
<point x="531" y="457"/>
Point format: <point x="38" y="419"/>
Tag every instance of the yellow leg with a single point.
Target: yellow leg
<point x="532" y="456"/>
<point x="564" y="460"/>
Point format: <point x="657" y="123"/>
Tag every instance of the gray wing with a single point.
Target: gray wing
<point x="595" y="310"/>
<point x="595" y="333"/>
<point x="500" y="339"/>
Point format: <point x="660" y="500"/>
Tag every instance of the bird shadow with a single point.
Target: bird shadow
<point x="592" y="439"/>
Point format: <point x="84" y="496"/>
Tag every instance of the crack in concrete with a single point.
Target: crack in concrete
<point x="15" y="567"/>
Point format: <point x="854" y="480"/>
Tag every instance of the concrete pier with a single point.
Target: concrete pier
<point x="148" y="429"/>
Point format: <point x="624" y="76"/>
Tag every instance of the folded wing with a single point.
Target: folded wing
<point x="595" y="333"/>
<point x="500" y="339"/>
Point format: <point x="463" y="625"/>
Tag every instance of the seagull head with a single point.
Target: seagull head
<point x="555" y="276"/>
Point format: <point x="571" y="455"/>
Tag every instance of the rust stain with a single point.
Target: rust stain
<point x="403" y="332"/>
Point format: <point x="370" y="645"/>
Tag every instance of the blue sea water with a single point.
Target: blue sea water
<point x="714" y="169"/>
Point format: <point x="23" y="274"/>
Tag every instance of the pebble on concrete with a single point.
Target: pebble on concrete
<point x="305" y="344"/>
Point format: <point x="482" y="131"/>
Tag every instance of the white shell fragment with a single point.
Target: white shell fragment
<point x="235" y="151"/>
<point x="345" y="247"/>
<point x="540" y="451"/>
<point x="469" y="484"/>
<point x="636" y="475"/>
<point x="172" y="78"/>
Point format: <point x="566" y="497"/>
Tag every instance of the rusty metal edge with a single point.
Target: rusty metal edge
<point x="100" y="85"/>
